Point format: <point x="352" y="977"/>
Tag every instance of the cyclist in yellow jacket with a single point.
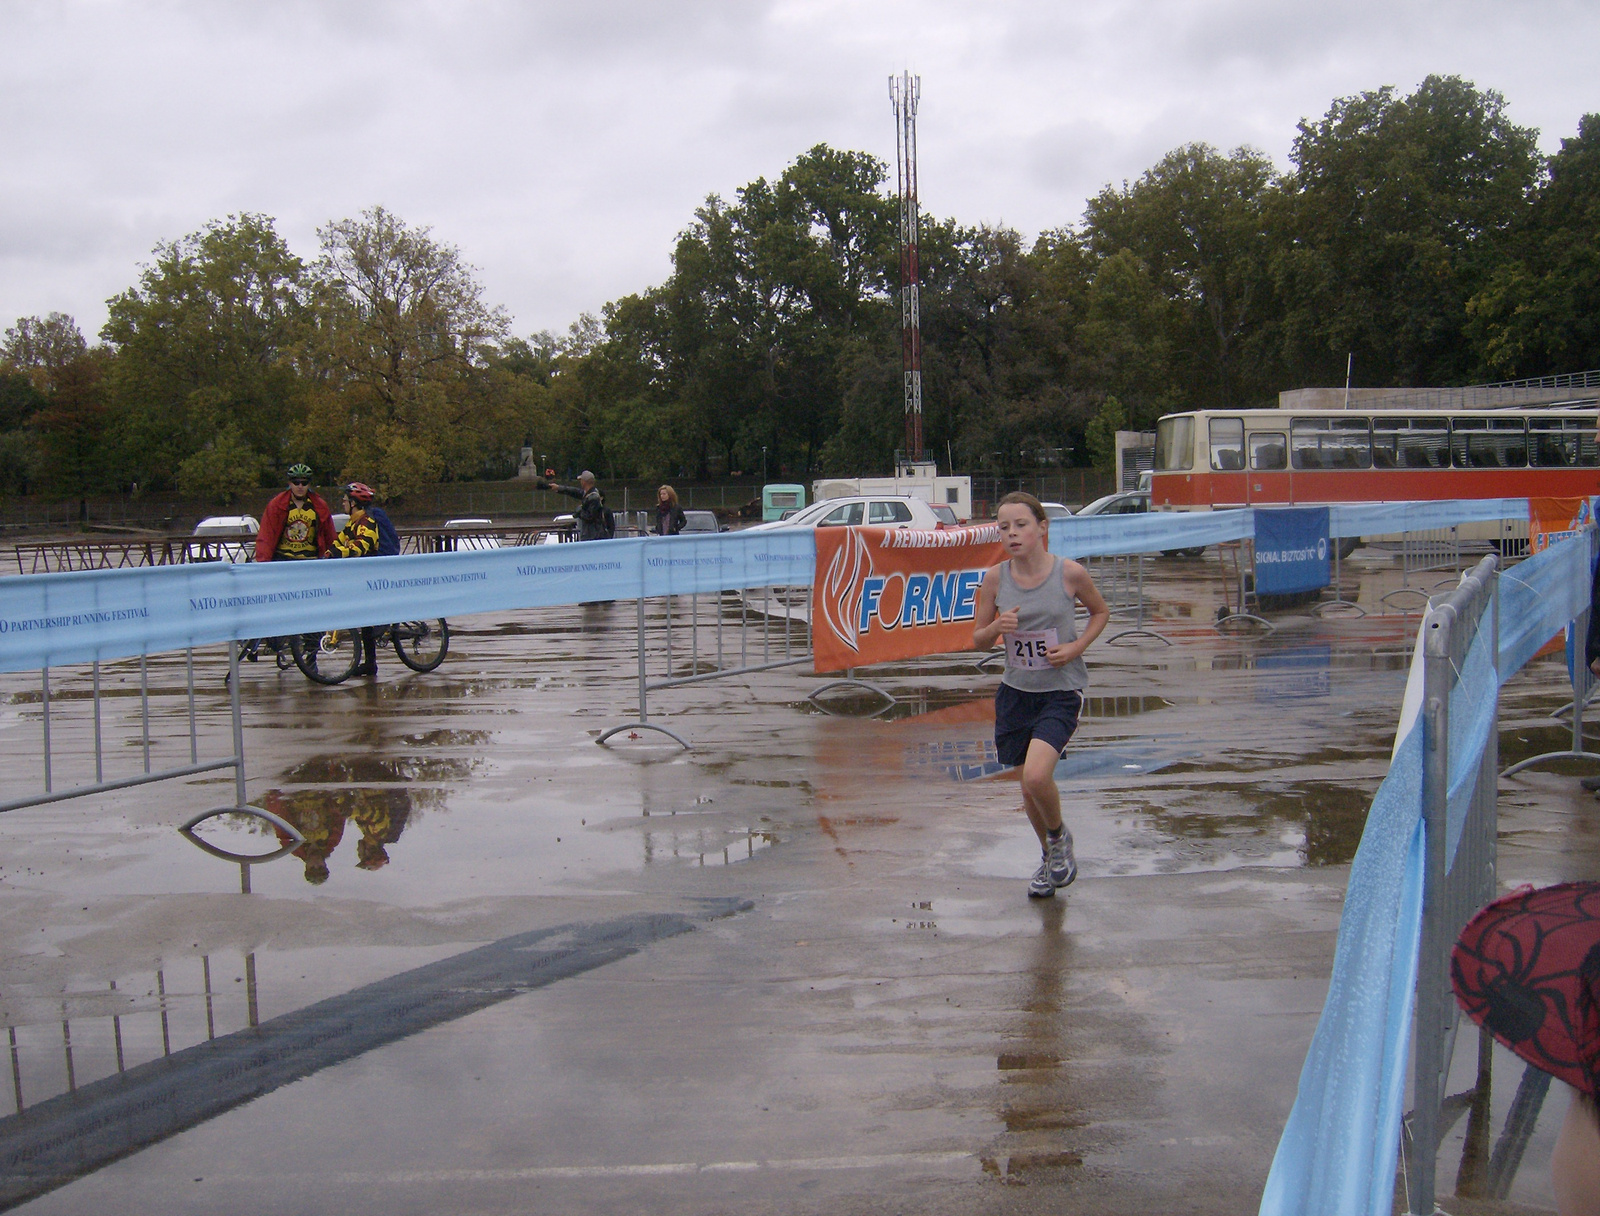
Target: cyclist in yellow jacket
<point x="359" y="538"/>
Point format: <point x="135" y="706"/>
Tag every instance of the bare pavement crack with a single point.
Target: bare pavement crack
<point x="74" y="1134"/>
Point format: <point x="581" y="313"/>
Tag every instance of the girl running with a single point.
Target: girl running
<point x="1029" y="599"/>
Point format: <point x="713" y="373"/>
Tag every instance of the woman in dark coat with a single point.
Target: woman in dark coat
<point x="669" y="515"/>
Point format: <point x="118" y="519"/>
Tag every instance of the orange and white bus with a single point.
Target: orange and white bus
<point x="1231" y="458"/>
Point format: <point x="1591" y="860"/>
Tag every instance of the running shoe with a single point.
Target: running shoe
<point x="1063" y="866"/>
<point x="1041" y="886"/>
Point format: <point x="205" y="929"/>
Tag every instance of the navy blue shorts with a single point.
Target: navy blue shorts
<point x="1021" y="717"/>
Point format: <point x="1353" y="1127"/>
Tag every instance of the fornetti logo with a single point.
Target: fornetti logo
<point x="885" y="593"/>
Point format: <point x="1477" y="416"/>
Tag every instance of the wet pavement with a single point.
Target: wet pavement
<point x="792" y="970"/>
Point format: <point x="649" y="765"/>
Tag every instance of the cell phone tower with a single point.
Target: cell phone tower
<point x="905" y="91"/>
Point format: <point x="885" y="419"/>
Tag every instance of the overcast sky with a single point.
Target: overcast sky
<point x="562" y="144"/>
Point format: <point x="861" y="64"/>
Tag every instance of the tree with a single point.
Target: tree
<point x="1539" y="313"/>
<point x="1198" y="223"/>
<point x="1102" y="433"/>
<point x="209" y="342"/>
<point x="405" y="341"/>
<point x="40" y="347"/>
<point x="72" y="430"/>
<point x="224" y="470"/>
<point x="1401" y="209"/>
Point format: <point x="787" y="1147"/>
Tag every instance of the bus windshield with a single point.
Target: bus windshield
<point x="1174" y="444"/>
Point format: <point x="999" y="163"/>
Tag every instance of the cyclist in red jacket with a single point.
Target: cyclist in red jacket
<point x="297" y="524"/>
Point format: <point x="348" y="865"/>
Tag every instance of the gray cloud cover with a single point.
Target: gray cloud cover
<point x="563" y="145"/>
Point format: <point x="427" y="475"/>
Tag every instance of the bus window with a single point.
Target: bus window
<point x="1227" y="444"/>
<point x="1562" y="442"/>
<point x="1268" y="451"/>
<point x="1174" y="444"/>
<point x="1488" y="443"/>
<point x="1330" y="443"/>
<point x="1410" y="443"/>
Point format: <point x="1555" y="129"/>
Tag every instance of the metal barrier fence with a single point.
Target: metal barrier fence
<point x="701" y="636"/>
<point x="61" y="738"/>
<point x="53" y="557"/>
<point x="1120" y="580"/>
<point x="1454" y="887"/>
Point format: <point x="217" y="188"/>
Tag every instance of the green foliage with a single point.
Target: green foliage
<point x="1102" y="433"/>
<point x="210" y="337"/>
<point x="405" y="343"/>
<point x="223" y="471"/>
<point x="1539" y="313"/>
<point x="1400" y="210"/>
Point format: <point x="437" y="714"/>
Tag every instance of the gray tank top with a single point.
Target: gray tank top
<point x="1040" y="610"/>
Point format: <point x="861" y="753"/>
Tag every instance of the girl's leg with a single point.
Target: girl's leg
<point x="1041" y="798"/>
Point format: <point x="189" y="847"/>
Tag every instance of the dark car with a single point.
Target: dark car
<point x="1134" y="502"/>
<point x="701" y="521"/>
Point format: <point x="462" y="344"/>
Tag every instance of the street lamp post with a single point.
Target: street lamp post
<point x="763" y="464"/>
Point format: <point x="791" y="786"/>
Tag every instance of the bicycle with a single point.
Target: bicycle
<point x="332" y="657"/>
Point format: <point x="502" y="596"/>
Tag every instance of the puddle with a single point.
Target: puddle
<point x="366" y="769"/>
<point x="375" y="818"/>
<point x="448" y="738"/>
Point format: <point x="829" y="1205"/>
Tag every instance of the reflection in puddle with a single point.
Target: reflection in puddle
<point x="322" y="817"/>
<point x="1122" y="707"/>
<point x="1321" y="821"/>
<point x="706" y="846"/>
<point x="348" y="770"/>
<point x="448" y="738"/>
<point x="974" y="759"/>
<point x="62" y="1040"/>
<point x="1036" y="1093"/>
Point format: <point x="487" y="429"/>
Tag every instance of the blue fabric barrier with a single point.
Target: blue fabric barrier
<point x="1388" y="518"/>
<point x="1339" y="1147"/>
<point x="1153" y="532"/>
<point x="49" y="619"/>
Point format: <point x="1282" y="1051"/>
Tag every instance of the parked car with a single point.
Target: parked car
<point x="1134" y="502"/>
<point x="879" y="510"/>
<point x="702" y="521"/>
<point x="459" y="544"/>
<point x="1056" y="510"/>
<point x="946" y="514"/>
<point x="1126" y="502"/>
<point x="228" y="525"/>
<point x="224" y="538"/>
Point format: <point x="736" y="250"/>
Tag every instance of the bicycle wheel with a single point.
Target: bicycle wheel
<point x="421" y="645"/>
<point x="327" y="658"/>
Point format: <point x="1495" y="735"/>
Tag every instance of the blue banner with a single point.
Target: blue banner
<point x="1338" y="1151"/>
<point x="1291" y="550"/>
<point x="76" y="616"/>
<point x="49" y="619"/>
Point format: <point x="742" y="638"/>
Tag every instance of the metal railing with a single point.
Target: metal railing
<point x="696" y="637"/>
<point x="1120" y="581"/>
<point x="51" y="725"/>
<point x="1454" y="887"/>
<point x="61" y="744"/>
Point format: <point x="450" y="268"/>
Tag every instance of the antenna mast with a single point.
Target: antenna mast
<point x="905" y="91"/>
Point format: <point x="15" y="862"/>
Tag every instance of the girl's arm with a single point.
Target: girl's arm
<point x="987" y="624"/>
<point x="1079" y="585"/>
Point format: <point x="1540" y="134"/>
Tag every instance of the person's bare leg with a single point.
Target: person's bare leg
<point x="1575" y="1162"/>
<point x="1041" y="797"/>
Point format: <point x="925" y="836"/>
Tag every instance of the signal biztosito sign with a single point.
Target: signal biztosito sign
<point x="896" y="593"/>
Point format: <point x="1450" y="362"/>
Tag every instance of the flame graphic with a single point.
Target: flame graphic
<point x="839" y="592"/>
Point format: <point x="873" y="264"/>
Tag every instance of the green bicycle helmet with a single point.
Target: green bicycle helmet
<point x="299" y="470"/>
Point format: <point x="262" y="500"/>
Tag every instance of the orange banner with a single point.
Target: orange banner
<point x="1554" y="519"/>
<point x="895" y="593"/>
